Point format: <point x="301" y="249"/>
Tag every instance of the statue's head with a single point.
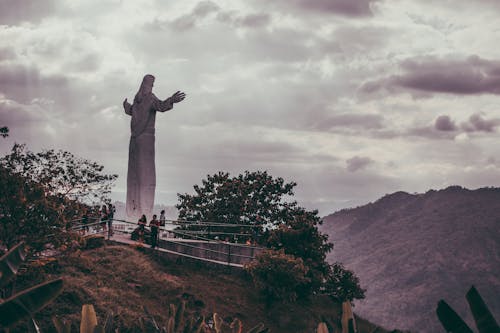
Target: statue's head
<point x="146" y="88"/>
<point x="148" y="81"/>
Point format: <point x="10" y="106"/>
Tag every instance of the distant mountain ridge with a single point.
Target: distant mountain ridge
<point x="410" y="250"/>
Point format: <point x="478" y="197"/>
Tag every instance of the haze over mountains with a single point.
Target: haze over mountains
<point x="410" y="250"/>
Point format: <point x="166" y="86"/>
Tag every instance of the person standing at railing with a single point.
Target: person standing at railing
<point x="154" y="225"/>
<point x="142" y="225"/>
<point x="162" y="218"/>
<point x="104" y="217"/>
<point x="85" y="222"/>
<point x="111" y="215"/>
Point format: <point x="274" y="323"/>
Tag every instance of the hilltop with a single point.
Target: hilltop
<point x="410" y="250"/>
<point x="124" y="279"/>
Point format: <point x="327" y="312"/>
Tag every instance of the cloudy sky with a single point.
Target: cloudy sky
<point x="350" y="99"/>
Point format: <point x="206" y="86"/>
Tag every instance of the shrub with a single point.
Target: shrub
<point x="279" y="276"/>
<point x="342" y="284"/>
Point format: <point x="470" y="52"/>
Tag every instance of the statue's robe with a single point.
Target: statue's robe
<point x="141" y="174"/>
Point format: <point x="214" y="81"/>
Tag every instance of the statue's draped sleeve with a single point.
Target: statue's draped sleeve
<point x="162" y="106"/>
<point x="128" y="108"/>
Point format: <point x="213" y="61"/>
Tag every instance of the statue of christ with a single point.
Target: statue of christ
<point x="141" y="174"/>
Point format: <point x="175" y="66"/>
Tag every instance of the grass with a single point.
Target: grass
<point x="124" y="279"/>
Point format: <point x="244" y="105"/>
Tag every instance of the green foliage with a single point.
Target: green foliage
<point x="252" y="198"/>
<point x="61" y="173"/>
<point x="27" y="213"/>
<point x="301" y="238"/>
<point x="279" y="276"/>
<point x="176" y="322"/>
<point x="342" y="284"/>
<point x="27" y="302"/>
<point x="24" y="304"/>
<point x="10" y="263"/>
<point x="4" y="131"/>
<point x="483" y="318"/>
<point x="259" y="200"/>
<point x="40" y="193"/>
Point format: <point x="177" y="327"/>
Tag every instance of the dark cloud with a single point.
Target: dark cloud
<point x="13" y="12"/>
<point x="357" y="163"/>
<point x="444" y="123"/>
<point x="428" y="132"/>
<point x="183" y="23"/>
<point x="204" y="8"/>
<point x="477" y="123"/>
<point x="446" y="128"/>
<point x="473" y="75"/>
<point x="254" y="20"/>
<point x="350" y="8"/>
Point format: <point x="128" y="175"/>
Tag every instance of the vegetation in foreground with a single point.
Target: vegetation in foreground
<point x="125" y="280"/>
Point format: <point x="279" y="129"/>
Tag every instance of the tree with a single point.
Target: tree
<point x="26" y="213"/>
<point x="61" y="173"/>
<point x="279" y="276"/>
<point x="252" y="198"/>
<point x="4" y="131"/>
<point x="301" y="238"/>
<point x="290" y="232"/>
<point x="40" y="193"/>
<point x="342" y="284"/>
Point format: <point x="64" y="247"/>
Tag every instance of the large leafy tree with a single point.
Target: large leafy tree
<point x="301" y="238"/>
<point x="61" y="173"/>
<point x="41" y="192"/>
<point x="290" y="232"/>
<point x="251" y="198"/>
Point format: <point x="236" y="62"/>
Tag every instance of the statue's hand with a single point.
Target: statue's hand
<point x="125" y="103"/>
<point x="178" y="97"/>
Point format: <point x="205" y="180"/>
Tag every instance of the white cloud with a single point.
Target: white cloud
<point x="266" y="89"/>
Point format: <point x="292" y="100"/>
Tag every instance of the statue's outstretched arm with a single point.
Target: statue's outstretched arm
<point x="128" y="107"/>
<point x="167" y="104"/>
<point x="178" y="97"/>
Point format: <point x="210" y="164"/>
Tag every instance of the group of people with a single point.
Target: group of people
<point x="105" y="217"/>
<point x="154" y="226"/>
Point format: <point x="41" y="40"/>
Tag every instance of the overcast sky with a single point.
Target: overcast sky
<point x="350" y="99"/>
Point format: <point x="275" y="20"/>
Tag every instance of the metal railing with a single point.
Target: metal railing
<point x="187" y="243"/>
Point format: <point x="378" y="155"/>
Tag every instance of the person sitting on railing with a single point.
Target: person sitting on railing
<point x="155" y="226"/>
<point x="142" y="224"/>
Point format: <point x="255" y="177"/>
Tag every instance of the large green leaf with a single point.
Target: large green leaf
<point x="10" y="263"/>
<point x="450" y="320"/>
<point x="28" y="302"/>
<point x="485" y="321"/>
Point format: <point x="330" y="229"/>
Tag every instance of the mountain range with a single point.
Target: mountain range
<point x="411" y="250"/>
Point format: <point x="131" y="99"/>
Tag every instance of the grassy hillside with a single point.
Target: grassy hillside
<point x="124" y="279"/>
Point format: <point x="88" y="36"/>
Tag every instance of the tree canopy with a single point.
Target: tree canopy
<point x="41" y="192"/>
<point x="296" y="248"/>
<point x="251" y="198"/>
